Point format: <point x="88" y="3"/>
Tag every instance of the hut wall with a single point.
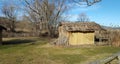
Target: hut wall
<point x="63" y="37"/>
<point x="79" y="38"/>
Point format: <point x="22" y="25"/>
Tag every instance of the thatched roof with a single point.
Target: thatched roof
<point x="2" y="28"/>
<point x="80" y="26"/>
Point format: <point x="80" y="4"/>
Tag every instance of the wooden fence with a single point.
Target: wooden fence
<point x="10" y="34"/>
<point x="109" y="60"/>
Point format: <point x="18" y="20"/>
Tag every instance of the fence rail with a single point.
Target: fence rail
<point x="108" y="60"/>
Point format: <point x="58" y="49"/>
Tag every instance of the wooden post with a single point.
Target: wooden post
<point x="0" y="37"/>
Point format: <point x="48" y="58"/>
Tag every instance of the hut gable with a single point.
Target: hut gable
<point x="1" y="28"/>
<point x="77" y="33"/>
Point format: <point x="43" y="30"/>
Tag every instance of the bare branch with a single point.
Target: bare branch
<point x="86" y="2"/>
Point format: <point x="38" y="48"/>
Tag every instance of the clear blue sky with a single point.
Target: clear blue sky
<point x="105" y="13"/>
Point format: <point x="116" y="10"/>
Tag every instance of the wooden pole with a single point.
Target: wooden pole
<point x="0" y="37"/>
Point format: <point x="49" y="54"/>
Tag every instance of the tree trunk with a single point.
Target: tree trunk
<point x="13" y="26"/>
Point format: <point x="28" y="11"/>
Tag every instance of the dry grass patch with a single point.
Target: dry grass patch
<point x="43" y="53"/>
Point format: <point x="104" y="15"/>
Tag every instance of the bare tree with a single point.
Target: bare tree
<point x="10" y="12"/>
<point x="83" y="18"/>
<point x="46" y="13"/>
<point x="35" y="21"/>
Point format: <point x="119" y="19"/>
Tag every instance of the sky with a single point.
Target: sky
<point x="105" y="12"/>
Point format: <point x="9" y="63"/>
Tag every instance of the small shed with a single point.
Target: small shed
<point x="77" y="33"/>
<point x="1" y="29"/>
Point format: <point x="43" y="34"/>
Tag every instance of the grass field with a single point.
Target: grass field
<point x="37" y="51"/>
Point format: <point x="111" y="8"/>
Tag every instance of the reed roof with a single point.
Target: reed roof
<point x="80" y="26"/>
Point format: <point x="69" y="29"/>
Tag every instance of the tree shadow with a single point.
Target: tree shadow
<point x="17" y="41"/>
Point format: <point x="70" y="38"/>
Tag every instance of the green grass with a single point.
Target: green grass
<point x="25" y="52"/>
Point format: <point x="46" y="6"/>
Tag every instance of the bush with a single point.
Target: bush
<point x="115" y="38"/>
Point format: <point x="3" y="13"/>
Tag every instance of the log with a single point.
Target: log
<point x="108" y="59"/>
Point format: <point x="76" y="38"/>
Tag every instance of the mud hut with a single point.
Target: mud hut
<point x="1" y="29"/>
<point x="77" y="33"/>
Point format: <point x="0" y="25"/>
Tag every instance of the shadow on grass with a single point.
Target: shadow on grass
<point x="17" y="41"/>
